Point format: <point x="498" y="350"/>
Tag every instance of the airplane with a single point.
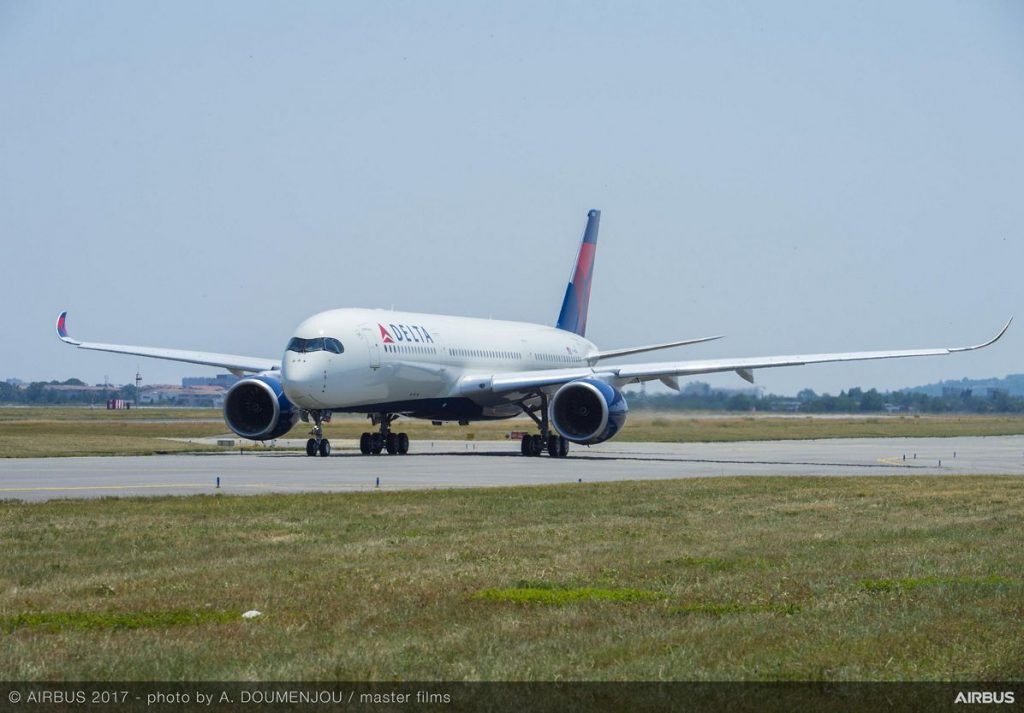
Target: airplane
<point x="389" y="364"/>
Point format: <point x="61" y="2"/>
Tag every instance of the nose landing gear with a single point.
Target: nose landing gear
<point x="384" y="440"/>
<point x="318" y="445"/>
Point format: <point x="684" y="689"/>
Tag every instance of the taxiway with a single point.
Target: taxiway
<point x="458" y="464"/>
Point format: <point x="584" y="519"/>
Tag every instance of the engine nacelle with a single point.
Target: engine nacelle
<point x="256" y="408"/>
<point x="588" y="411"/>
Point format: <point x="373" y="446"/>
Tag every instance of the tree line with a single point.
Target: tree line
<point x="854" y="400"/>
<point x="37" y="393"/>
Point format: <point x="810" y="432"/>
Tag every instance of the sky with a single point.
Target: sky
<point x="798" y="176"/>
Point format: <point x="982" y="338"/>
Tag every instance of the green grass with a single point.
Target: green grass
<point x="909" y="583"/>
<point x="43" y="432"/>
<point x="558" y="596"/>
<point x="54" y="622"/>
<point x="703" y="579"/>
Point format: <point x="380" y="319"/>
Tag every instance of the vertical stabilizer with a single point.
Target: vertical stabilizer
<point x="573" y="317"/>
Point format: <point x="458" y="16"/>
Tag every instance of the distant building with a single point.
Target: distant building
<point x="16" y="382"/>
<point x="194" y="396"/>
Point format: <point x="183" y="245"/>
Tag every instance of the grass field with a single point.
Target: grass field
<point x="41" y="432"/>
<point x="715" y="579"/>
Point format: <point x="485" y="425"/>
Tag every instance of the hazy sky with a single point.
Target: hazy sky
<point x="801" y="177"/>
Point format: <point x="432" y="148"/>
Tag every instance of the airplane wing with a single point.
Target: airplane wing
<point x="611" y="353"/>
<point x="532" y="381"/>
<point x="232" y="362"/>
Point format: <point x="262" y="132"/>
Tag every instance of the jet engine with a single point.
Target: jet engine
<point x="257" y="408"/>
<point x="588" y="411"/>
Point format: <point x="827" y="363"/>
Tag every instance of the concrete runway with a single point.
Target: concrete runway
<point x="457" y="464"/>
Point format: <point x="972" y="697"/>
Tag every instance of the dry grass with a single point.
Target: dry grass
<point x="70" y="432"/>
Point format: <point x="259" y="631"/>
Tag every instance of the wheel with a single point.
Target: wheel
<point x="553" y="446"/>
<point x="563" y="446"/>
<point x="536" y="445"/>
<point x="524" y="445"/>
<point x="391" y="444"/>
<point x="311" y="447"/>
<point x="403" y="443"/>
<point x="325" y="448"/>
<point x="365" y="444"/>
<point x="376" y="443"/>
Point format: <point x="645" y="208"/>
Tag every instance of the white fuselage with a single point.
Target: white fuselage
<point x="408" y="362"/>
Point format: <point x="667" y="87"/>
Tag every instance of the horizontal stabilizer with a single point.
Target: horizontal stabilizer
<point x="611" y="353"/>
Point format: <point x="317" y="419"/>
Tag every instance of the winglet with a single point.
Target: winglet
<point x="62" y="330"/>
<point x="989" y="342"/>
<point x="573" y="316"/>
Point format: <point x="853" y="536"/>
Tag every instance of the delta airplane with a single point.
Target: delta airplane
<point x="389" y="364"/>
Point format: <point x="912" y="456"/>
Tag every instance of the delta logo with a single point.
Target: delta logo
<point x="984" y="697"/>
<point x="404" y="333"/>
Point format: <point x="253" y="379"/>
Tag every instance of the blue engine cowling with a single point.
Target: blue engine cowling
<point x="256" y="408"/>
<point x="588" y="411"/>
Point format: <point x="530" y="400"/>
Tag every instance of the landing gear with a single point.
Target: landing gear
<point x="384" y="440"/>
<point x="318" y="445"/>
<point x="535" y="444"/>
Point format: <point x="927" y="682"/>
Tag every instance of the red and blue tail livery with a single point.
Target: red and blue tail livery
<point x="573" y="317"/>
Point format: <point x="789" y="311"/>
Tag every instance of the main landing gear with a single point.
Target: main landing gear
<point x="318" y="445"/>
<point x="535" y="444"/>
<point x="384" y="439"/>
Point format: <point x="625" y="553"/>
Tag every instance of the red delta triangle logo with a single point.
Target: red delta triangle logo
<point x="384" y="336"/>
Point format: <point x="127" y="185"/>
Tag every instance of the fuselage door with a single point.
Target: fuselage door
<point x="371" y="346"/>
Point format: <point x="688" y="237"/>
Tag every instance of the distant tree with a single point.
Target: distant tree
<point x="739" y="402"/>
<point x="872" y="401"/>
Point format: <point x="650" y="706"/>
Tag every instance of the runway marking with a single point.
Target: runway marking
<point x="104" y="487"/>
<point x="892" y="460"/>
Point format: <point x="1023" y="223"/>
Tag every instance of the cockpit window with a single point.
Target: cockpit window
<point x="333" y="345"/>
<point x="304" y="346"/>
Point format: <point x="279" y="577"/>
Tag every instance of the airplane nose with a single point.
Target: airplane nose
<point x="302" y="381"/>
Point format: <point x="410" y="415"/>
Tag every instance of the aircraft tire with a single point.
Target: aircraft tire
<point x="403" y="443"/>
<point x="563" y="446"/>
<point x="376" y="444"/>
<point x="552" y="448"/>
<point x="365" y="444"/>
<point x="525" y="445"/>
<point x="325" y="448"/>
<point x="311" y="447"/>
<point x="391" y="444"/>
<point x="536" y="445"/>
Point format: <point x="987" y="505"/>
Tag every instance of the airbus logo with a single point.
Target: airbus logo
<point x="404" y="333"/>
<point x="984" y="697"/>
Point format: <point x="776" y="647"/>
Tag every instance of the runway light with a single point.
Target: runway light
<point x="218" y="482"/>
<point x="378" y="481"/>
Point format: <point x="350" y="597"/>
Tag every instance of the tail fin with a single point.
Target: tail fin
<point x="573" y="317"/>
